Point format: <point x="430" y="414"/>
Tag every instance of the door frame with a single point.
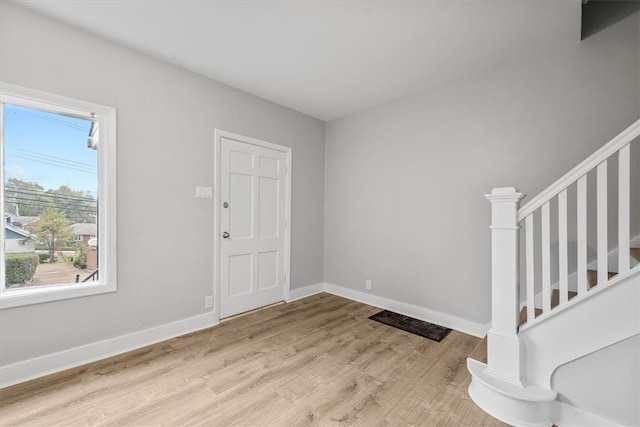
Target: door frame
<point x="217" y="238"/>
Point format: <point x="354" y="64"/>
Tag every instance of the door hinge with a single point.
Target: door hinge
<point x="285" y="278"/>
<point x="286" y="169"/>
<point x="286" y="224"/>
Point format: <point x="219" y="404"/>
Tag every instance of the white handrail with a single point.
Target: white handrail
<point x="624" y="138"/>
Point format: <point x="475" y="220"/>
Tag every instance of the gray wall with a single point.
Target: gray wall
<point x="166" y="122"/>
<point x="404" y="182"/>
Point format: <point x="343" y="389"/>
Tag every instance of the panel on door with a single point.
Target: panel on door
<point x="252" y="225"/>
<point x="241" y="201"/>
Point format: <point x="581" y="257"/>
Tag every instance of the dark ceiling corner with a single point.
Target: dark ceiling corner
<point x="600" y="14"/>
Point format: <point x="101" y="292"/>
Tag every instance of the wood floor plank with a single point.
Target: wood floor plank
<point x="316" y="361"/>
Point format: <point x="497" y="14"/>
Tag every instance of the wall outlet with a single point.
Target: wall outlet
<point x="208" y="301"/>
<point x="367" y="284"/>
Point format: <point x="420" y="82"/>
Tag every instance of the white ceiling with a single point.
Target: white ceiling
<point x="328" y="59"/>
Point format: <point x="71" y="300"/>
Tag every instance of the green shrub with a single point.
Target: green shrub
<point x="44" y="257"/>
<point x="81" y="260"/>
<point x="20" y="267"/>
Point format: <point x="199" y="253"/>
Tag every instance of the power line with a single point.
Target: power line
<point x="62" y="201"/>
<point x="54" y="158"/>
<point x="52" y="164"/>
<point x="58" y="117"/>
<point x="30" y="192"/>
<point x="47" y="193"/>
<point x="63" y="123"/>
<point x="52" y="203"/>
<point x="31" y="203"/>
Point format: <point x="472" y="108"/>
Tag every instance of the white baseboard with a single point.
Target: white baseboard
<point x="306" y="291"/>
<point x="565" y="415"/>
<point x="432" y="316"/>
<point x="55" y="362"/>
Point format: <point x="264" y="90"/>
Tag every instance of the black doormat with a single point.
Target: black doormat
<point x="409" y="324"/>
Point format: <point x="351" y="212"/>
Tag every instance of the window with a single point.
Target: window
<point x="57" y="163"/>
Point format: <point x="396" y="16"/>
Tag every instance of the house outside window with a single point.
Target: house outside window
<point x="57" y="162"/>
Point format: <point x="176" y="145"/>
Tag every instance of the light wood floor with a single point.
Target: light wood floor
<point x="317" y="361"/>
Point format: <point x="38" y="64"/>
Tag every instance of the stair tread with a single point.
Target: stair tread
<point x="523" y="314"/>
<point x="555" y="297"/>
<point x="592" y="277"/>
<point x="555" y="301"/>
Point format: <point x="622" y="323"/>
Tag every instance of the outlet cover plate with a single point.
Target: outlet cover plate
<point x="204" y="193"/>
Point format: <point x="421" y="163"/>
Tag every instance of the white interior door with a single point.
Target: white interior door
<point x="252" y="226"/>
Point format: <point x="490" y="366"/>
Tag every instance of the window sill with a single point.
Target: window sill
<point x="42" y="294"/>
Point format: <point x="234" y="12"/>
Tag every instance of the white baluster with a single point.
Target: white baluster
<point x="563" y="262"/>
<point x="603" y="244"/>
<point x="529" y="265"/>
<point x="546" y="258"/>
<point x="582" y="234"/>
<point x="624" y="177"/>
<point x="502" y="339"/>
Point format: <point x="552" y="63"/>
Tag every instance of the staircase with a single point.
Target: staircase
<point x="580" y="288"/>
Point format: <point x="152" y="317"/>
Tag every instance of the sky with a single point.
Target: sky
<point x="49" y="149"/>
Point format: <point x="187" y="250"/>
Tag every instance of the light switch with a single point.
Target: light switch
<point x="204" y="192"/>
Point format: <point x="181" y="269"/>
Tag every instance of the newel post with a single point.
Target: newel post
<point x="502" y="340"/>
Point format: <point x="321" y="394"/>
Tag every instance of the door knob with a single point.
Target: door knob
<point x="225" y="235"/>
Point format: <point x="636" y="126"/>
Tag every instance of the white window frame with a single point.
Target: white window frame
<point x="105" y="117"/>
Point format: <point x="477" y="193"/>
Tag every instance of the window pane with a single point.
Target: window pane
<point x="51" y="198"/>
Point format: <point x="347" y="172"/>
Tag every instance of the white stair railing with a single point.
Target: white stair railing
<point x="503" y="345"/>
<point x="558" y="193"/>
